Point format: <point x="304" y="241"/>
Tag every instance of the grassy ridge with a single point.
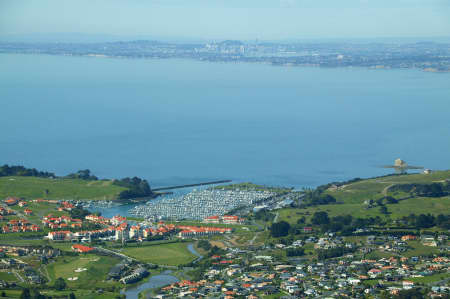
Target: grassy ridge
<point x="376" y="188"/>
<point x="420" y="205"/>
<point x="34" y="187"/>
<point x="351" y="197"/>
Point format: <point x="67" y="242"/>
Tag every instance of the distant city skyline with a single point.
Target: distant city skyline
<point x="228" y="19"/>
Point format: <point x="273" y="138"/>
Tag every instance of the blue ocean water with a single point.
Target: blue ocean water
<point x="182" y="121"/>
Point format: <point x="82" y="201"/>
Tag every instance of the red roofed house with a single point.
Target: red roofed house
<point x="230" y="219"/>
<point x="211" y="219"/>
<point x="82" y="248"/>
<point x="307" y="229"/>
<point x="28" y="211"/>
<point x="408" y="237"/>
<point x="374" y="272"/>
<point x="10" y="201"/>
<point x="60" y="235"/>
<point x="35" y="228"/>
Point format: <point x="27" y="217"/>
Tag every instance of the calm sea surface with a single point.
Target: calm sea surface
<point x="180" y="121"/>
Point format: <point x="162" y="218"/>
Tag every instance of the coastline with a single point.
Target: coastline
<point x="218" y="61"/>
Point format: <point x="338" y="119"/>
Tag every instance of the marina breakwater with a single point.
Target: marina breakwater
<point x="191" y="185"/>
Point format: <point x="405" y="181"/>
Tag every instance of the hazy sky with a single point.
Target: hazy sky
<point x="233" y="19"/>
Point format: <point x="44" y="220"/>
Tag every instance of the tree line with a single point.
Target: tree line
<point x="427" y="190"/>
<point x="347" y="224"/>
<point x="427" y="220"/>
<point x="16" y="170"/>
<point x="136" y="188"/>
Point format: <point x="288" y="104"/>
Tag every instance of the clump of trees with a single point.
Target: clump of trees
<point x="323" y="254"/>
<point x="83" y="175"/>
<point x="60" y="284"/>
<point x="79" y="213"/>
<point x="427" y="220"/>
<point x="390" y="200"/>
<point x="17" y="170"/>
<point x="320" y="218"/>
<point x="427" y="190"/>
<point x="345" y="224"/>
<point x="279" y="229"/>
<point x="315" y="197"/>
<point x="322" y="188"/>
<point x="295" y="252"/>
<point x="415" y="293"/>
<point x="136" y="188"/>
<point x="384" y="210"/>
<point x="264" y="215"/>
<point x="204" y="244"/>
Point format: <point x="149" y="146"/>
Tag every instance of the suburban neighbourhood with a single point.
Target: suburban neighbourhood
<point x="296" y="244"/>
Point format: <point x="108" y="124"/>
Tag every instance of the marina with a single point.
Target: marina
<point x="199" y="204"/>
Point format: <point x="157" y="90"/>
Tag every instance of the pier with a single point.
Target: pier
<point x="192" y="185"/>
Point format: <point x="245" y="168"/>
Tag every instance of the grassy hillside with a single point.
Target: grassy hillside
<point x="351" y="197"/>
<point x="376" y="188"/>
<point x="34" y="187"/>
<point x="420" y="205"/>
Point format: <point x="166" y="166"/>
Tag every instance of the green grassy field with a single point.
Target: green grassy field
<point x="375" y="188"/>
<point x="417" y="249"/>
<point x="34" y="187"/>
<point x="11" y="293"/>
<point x="351" y="199"/>
<point x="4" y="275"/>
<point x="420" y="205"/>
<point x="17" y="238"/>
<point x="172" y="254"/>
<point x="39" y="210"/>
<point x="431" y="278"/>
<point x="85" y="294"/>
<point x="97" y="270"/>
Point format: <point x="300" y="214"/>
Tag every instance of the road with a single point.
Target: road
<point x="18" y="276"/>
<point x="276" y="217"/>
<point x="46" y="273"/>
<point x="116" y="253"/>
<point x="254" y="238"/>
<point x="17" y="213"/>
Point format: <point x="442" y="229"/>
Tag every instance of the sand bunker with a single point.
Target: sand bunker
<point x="72" y="278"/>
<point x="80" y="270"/>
